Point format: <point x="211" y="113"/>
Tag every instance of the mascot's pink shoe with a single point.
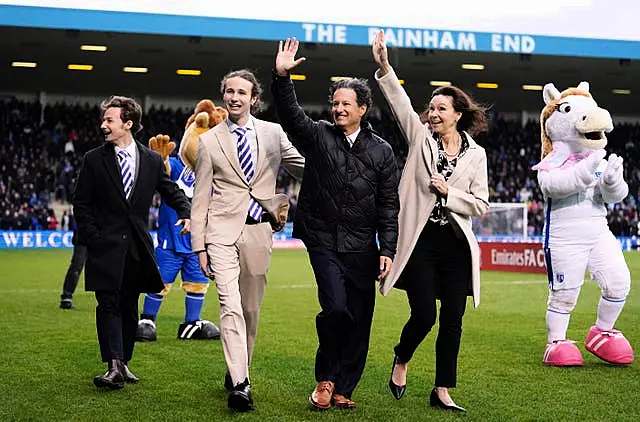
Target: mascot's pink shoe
<point x="562" y="353"/>
<point x="610" y="346"/>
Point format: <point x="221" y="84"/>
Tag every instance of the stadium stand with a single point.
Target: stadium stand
<point x="41" y="148"/>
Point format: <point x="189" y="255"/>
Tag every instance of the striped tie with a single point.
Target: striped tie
<point x="248" y="167"/>
<point x="125" y="172"/>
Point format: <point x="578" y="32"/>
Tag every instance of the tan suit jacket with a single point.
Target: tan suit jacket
<point x="221" y="195"/>
<point x="468" y="190"/>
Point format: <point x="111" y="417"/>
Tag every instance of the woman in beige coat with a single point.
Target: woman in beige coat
<point x="443" y="185"/>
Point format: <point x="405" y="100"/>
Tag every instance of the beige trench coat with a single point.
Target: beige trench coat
<point x="468" y="191"/>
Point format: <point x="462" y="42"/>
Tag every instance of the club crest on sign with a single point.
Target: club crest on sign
<point x="186" y="181"/>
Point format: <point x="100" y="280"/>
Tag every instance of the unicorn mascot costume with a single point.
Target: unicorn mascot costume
<point x="577" y="182"/>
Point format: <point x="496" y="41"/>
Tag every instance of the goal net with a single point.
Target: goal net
<point x="503" y="219"/>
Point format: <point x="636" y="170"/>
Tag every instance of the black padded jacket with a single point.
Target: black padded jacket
<point x="349" y="194"/>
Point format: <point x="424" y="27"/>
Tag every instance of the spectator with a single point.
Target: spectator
<point x="36" y="161"/>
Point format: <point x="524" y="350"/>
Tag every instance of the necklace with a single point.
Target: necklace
<point x="457" y="152"/>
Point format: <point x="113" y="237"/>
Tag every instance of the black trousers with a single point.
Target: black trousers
<point x="439" y="268"/>
<point x="346" y="292"/>
<point x="78" y="259"/>
<point x="117" y="314"/>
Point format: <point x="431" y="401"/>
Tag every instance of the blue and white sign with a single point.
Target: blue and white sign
<point x="558" y="27"/>
<point x="35" y="239"/>
<point x="23" y="239"/>
<point x="63" y="239"/>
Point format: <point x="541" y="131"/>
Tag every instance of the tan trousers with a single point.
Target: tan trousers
<point x="240" y="273"/>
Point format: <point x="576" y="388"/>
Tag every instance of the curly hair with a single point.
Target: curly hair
<point x="129" y="110"/>
<point x="256" y="89"/>
<point x="359" y="86"/>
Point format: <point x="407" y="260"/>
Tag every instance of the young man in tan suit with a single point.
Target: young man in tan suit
<point x="233" y="203"/>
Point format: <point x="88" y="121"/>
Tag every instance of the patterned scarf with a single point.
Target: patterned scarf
<point x="445" y="166"/>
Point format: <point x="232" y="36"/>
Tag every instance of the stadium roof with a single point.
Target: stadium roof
<point x="54" y="49"/>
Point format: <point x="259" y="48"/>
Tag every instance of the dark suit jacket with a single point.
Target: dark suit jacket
<point x="108" y="222"/>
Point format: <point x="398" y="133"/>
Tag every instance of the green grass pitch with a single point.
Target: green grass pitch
<point x="48" y="356"/>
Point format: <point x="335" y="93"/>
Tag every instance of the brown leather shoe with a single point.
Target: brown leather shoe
<point x="321" y="396"/>
<point x="341" y="402"/>
<point x="113" y="379"/>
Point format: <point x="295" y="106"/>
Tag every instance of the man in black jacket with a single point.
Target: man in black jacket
<point x="349" y="195"/>
<point x="111" y="203"/>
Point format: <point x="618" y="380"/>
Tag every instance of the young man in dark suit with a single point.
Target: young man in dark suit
<point x="111" y="202"/>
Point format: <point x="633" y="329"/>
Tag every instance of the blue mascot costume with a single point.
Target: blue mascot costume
<point x="173" y="252"/>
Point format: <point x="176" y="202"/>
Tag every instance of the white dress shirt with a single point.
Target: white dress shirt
<point x="352" y="138"/>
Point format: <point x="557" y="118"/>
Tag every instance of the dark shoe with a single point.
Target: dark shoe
<point x="198" y="330"/>
<point x="146" y="330"/>
<point x="66" y="303"/>
<point x="321" y="396"/>
<point x="240" y="398"/>
<point x="128" y="375"/>
<point x="342" y="402"/>
<point x="228" y="383"/>
<point x="113" y="379"/>
<point x="435" y="401"/>
<point x="397" y="390"/>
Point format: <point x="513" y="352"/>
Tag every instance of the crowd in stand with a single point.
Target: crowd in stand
<point x="40" y="151"/>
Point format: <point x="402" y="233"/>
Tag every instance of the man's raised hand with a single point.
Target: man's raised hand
<point x="286" y="57"/>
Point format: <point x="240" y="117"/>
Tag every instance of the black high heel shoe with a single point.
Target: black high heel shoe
<point x="435" y="401"/>
<point x="396" y="390"/>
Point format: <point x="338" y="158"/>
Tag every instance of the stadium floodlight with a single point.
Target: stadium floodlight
<point x="532" y="87"/>
<point x="487" y="85"/>
<point x="88" y="47"/>
<point x="621" y="91"/>
<point x="189" y="72"/>
<point x="24" y="64"/>
<point x="80" y="67"/>
<point x="130" y="69"/>
<point x="296" y="77"/>
<point x="439" y="83"/>
<point x="340" y="78"/>
<point x="469" y="66"/>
